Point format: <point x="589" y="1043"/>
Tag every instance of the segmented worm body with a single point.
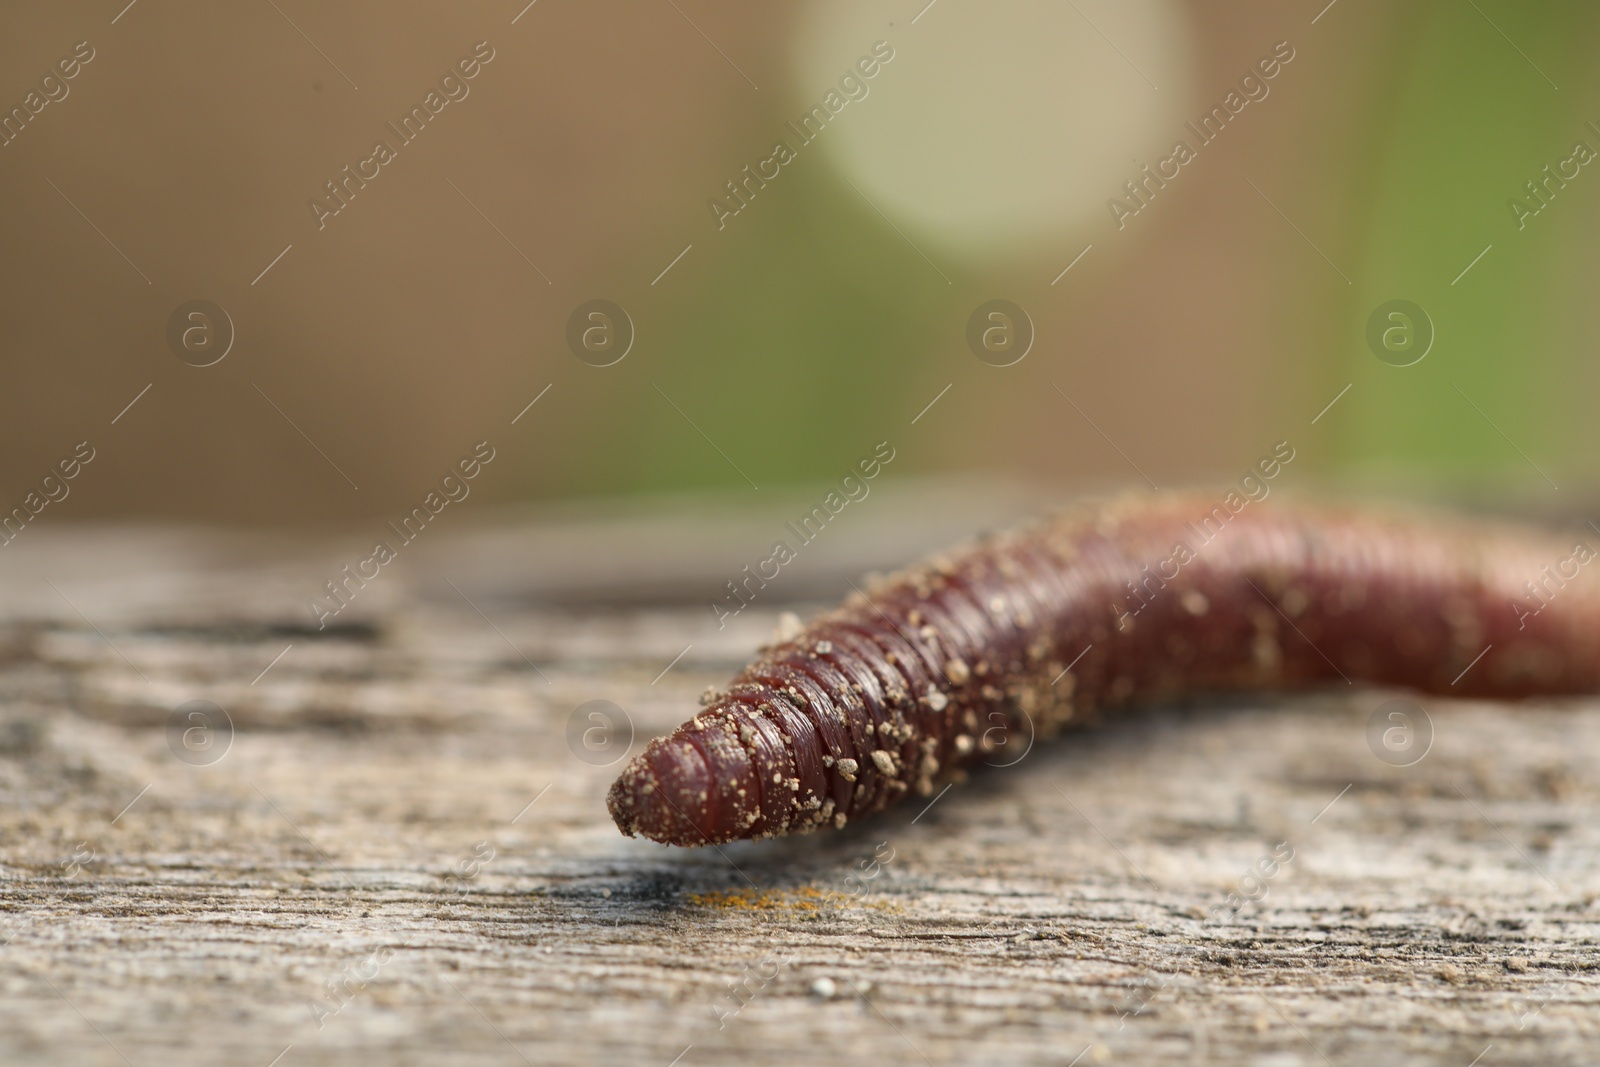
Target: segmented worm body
<point x="929" y="670"/>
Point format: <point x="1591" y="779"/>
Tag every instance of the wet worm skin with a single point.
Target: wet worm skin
<point x="1144" y="597"/>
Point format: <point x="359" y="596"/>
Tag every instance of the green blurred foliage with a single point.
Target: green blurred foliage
<point x="799" y="339"/>
<point x="1471" y="123"/>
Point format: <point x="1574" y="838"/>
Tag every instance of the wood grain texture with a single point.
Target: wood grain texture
<point x="1069" y="903"/>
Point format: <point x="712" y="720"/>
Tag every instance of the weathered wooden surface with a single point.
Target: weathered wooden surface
<point x="1067" y="905"/>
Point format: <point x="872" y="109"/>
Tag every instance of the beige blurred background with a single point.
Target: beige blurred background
<point x="778" y="350"/>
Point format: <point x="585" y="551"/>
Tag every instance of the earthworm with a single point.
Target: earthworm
<point x="1104" y="605"/>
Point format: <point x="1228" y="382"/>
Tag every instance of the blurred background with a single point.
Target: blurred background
<point x="773" y="331"/>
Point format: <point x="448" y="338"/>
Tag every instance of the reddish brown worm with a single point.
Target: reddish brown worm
<point x="920" y="674"/>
